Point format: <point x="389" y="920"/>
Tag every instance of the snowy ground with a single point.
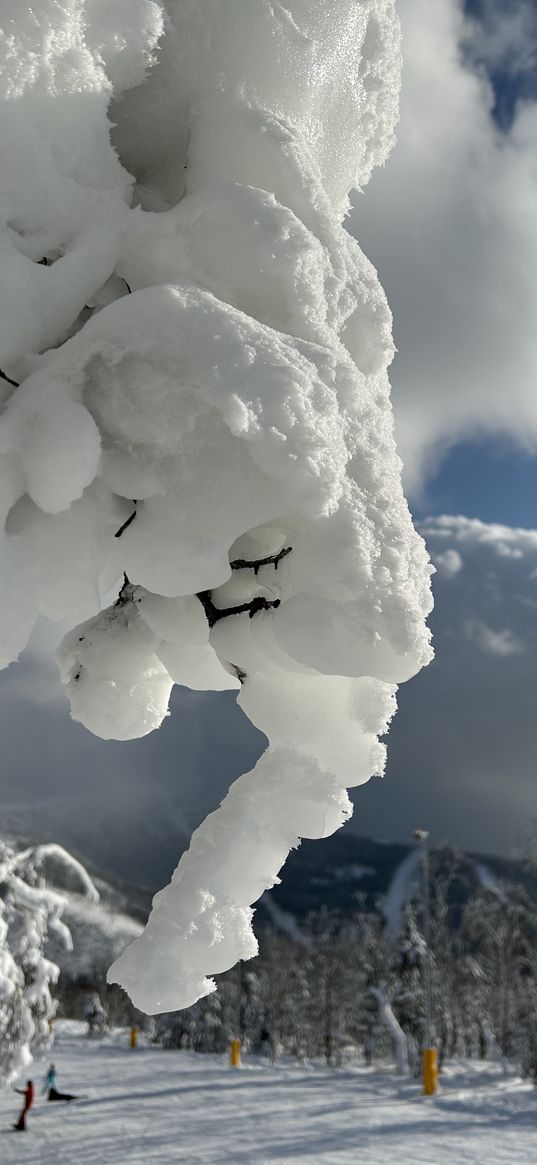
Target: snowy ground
<point x="153" y="1106"/>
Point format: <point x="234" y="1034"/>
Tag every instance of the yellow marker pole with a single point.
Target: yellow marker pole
<point x="429" y="1066"/>
<point x="235" y="1049"/>
<point x="429" y="1055"/>
<point x="134" y="1037"/>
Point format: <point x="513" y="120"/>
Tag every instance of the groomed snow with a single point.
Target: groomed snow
<point x="203" y="410"/>
<point x="150" y="1107"/>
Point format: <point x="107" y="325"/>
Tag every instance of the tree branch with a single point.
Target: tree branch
<point x="214" y="614"/>
<point x="8" y="379"/>
<point x="272" y="560"/>
<point x="125" y="594"/>
<point x="126" y="523"/>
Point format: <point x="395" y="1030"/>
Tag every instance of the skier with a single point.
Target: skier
<point x="50" y="1087"/>
<point x="28" y="1094"/>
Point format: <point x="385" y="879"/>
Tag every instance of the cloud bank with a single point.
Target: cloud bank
<point x="463" y="752"/>
<point x="451" y="224"/>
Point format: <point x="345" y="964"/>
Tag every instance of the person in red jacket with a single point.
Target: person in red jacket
<point x="28" y="1094"/>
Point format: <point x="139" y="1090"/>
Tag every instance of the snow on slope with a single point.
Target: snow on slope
<point x="154" y="1107"/>
<point x="489" y="881"/>
<point x="204" y="411"/>
<point x="402" y="887"/>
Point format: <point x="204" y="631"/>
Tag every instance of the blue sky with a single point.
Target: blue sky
<point x="493" y="479"/>
<point x="451" y="225"/>
<point x="488" y="479"/>
<point x="504" y="45"/>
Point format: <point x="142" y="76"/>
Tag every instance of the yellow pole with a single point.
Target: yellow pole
<point x="235" y="1054"/>
<point x="134" y="1037"/>
<point x="429" y="1065"/>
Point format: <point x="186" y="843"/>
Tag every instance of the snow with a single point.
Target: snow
<point x="401" y="889"/>
<point x="204" y="413"/>
<point x="60" y="868"/>
<point x="489" y="881"/>
<point x="153" y="1106"/>
<point x="283" y="921"/>
<point x="29" y="912"/>
<point x="99" y="935"/>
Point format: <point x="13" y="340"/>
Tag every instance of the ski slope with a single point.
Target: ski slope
<point x="149" y="1106"/>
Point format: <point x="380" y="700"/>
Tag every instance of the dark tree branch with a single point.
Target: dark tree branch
<point x="125" y="594"/>
<point x="129" y="288"/>
<point x="272" y="560"/>
<point x="214" y="614"/>
<point x="8" y="379"/>
<point x="126" y="524"/>
<point x="259" y="603"/>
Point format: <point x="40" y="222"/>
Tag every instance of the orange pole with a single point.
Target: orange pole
<point x="429" y="1064"/>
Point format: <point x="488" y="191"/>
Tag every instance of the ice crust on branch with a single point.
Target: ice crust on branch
<point x="197" y="403"/>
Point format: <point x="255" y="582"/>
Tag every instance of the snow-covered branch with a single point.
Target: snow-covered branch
<point x="29" y="911"/>
<point x="210" y="341"/>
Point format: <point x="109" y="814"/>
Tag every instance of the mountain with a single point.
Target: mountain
<point x="105" y="913"/>
<point x="344" y="869"/>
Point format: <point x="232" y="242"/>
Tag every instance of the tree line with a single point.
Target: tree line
<point x="345" y="986"/>
<point x="333" y="987"/>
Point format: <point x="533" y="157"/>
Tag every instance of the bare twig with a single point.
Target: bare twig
<point x="126" y="524"/>
<point x="125" y="594"/>
<point x="272" y="560"/>
<point x="8" y="379"/>
<point x="214" y="614"/>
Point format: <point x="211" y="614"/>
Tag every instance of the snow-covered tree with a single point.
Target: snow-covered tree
<point x="95" y="1014"/>
<point x="333" y="980"/>
<point x="285" y="994"/>
<point x="29" y="912"/>
<point x="196" y="410"/>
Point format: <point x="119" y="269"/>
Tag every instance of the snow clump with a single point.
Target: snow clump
<point x="196" y="410"/>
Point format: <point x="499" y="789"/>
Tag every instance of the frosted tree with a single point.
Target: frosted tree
<point x="196" y="411"/>
<point x="29" y="912"/>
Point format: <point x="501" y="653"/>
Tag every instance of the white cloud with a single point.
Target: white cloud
<point x="463" y="747"/>
<point x="451" y="223"/>
<point x="505" y="36"/>
<point x="504" y="541"/>
<point x="501" y="643"/>
<point x="448" y="562"/>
